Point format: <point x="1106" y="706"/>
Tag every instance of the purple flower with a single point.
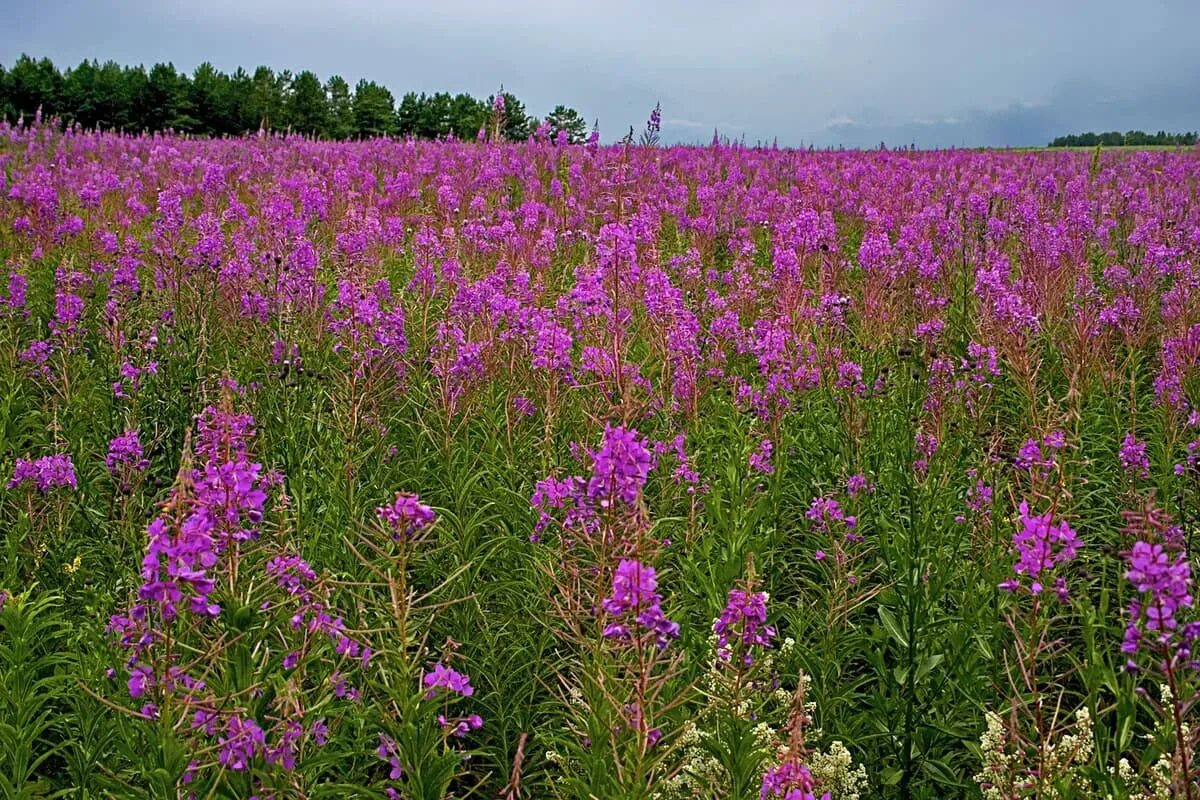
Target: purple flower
<point x="45" y="473"/>
<point x="1164" y="580"/>
<point x="789" y="781"/>
<point x="241" y="740"/>
<point x="1133" y="457"/>
<point x="760" y="459"/>
<point x="1040" y="546"/>
<point x="634" y="593"/>
<point x="743" y="620"/>
<point x="524" y="406"/>
<point x="125" y="451"/>
<point x="389" y="751"/>
<point x="443" y="677"/>
<point x="825" y="510"/>
<point x="620" y="467"/>
<point x="406" y="516"/>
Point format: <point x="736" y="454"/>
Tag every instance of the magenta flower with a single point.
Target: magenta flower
<point x="406" y="516"/>
<point x="620" y="467"/>
<point x="760" y="459"/>
<point x="45" y="473"/>
<point x="634" y="594"/>
<point x="744" y="621"/>
<point x="239" y="743"/>
<point x="125" y="452"/>
<point x="1041" y="546"/>
<point x="790" y="782"/>
<point x="1164" y="580"/>
<point x="444" y="677"/>
<point x="389" y="751"/>
<point x="1134" y="460"/>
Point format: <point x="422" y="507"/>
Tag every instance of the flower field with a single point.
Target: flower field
<point x="440" y="469"/>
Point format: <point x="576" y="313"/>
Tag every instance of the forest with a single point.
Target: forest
<point x="213" y="103"/>
<point x="1128" y="139"/>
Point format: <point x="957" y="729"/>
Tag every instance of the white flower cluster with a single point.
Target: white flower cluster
<point x="702" y="773"/>
<point x="997" y="761"/>
<point x="1159" y="781"/>
<point x="1006" y="771"/>
<point x="837" y="773"/>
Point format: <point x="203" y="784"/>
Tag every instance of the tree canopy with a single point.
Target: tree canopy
<point x="1128" y="139"/>
<point x="213" y="103"/>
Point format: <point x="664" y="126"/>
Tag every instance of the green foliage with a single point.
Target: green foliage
<point x="1128" y="139"/>
<point x="373" y="109"/>
<point x="34" y="675"/>
<point x="308" y="106"/>
<point x="213" y="103"/>
<point x="568" y="120"/>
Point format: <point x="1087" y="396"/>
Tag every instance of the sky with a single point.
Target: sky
<point x="935" y="73"/>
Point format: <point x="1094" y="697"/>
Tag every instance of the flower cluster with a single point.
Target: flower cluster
<point x="824" y="511"/>
<point x="620" y="467"/>
<point x="789" y="781"/>
<point x="1039" y="459"/>
<point x="125" y="454"/>
<point x="1041" y="546"/>
<point x="444" y="677"/>
<point x="743" y="622"/>
<point x="1133" y="457"/>
<point x="45" y="473"/>
<point x="760" y="459"/>
<point x="366" y="328"/>
<point x="635" y="602"/>
<point x="209" y="526"/>
<point x="313" y="612"/>
<point x="1164" y="580"/>
<point x="406" y="517"/>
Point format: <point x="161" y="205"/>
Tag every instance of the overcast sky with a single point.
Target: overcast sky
<point x="851" y="72"/>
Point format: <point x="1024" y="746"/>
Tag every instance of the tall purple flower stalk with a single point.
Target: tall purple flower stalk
<point x="1163" y="579"/>
<point x="1041" y="546"/>
<point x="742" y="626"/>
<point x="635" y="605"/>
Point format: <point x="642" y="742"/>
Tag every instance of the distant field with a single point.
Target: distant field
<point x="399" y="469"/>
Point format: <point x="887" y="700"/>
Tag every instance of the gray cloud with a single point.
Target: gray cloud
<point x="851" y="72"/>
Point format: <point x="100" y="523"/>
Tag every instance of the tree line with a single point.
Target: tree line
<point x="1128" y="139"/>
<point x="212" y="103"/>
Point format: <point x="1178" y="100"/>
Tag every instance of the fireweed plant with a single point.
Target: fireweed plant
<point x="525" y="469"/>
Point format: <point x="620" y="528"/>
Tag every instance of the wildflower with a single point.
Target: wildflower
<point x="1133" y="457"/>
<point x="760" y="459"/>
<point x="389" y="751"/>
<point x="1041" y="546"/>
<point x="240" y="742"/>
<point x="825" y="510"/>
<point x="634" y="591"/>
<point x="444" y="677"/>
<point x="620" y="467"/>
<point x="743" y="619"/>
<point x="125" y="451"/>
<point x="790" y="781"/>
<point x="1164" y="580"/>
<point x="406" y="516"/>
<point x="524" y="406"/>
<point x="45" y="473"/>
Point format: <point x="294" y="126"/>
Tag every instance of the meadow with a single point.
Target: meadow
<point x="415" y="470"/>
